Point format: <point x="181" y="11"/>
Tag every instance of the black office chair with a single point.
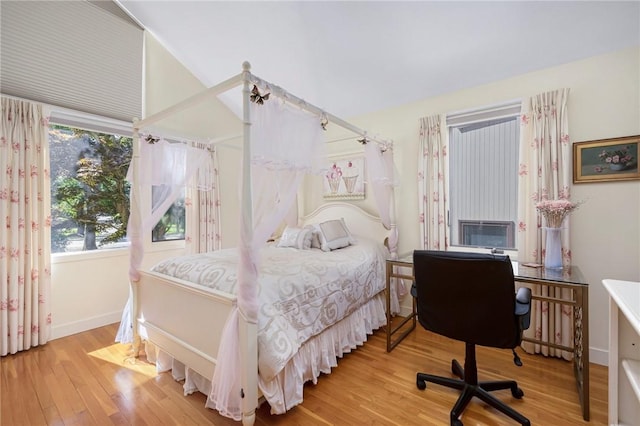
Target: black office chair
<point x="471" y="297"/>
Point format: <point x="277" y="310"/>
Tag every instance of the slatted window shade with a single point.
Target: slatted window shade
<point x="72" y="54"/>
<point x="483" y="168"/>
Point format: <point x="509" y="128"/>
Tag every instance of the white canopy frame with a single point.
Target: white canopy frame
<point x="244" y="333"/>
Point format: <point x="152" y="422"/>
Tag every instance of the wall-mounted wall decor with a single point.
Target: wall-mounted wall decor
<point x="606" y="160"/>
<point x="344" y="179"/>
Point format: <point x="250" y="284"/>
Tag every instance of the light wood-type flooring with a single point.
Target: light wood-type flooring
<point x="87" y="379"/>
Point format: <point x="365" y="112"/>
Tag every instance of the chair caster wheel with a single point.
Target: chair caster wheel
<point x="421" y="384"/>
<point x="517" y="393"/>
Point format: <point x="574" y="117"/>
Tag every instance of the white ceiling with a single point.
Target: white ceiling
<point x="355" y="57"/>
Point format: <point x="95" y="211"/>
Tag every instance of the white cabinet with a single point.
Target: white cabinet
<point x="624" y="351"/>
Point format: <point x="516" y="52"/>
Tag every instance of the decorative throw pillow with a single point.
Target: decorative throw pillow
<point x="315" y="235"/>
<point x="334" y="234"/>
<point x="296" y="238"/>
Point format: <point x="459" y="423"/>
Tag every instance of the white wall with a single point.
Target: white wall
<point x="604" y="102"/>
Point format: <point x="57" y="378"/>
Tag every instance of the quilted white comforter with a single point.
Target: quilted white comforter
<point x="302" y="292"/>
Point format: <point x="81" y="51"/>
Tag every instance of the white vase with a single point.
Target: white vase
<point x="553" y="250"/>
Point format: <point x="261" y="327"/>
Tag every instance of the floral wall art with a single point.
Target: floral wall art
<point x="606" y="160"/>
<point x="344" y="179"/>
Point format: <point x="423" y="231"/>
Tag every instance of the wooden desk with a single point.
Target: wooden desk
<point x="567" y="278"/>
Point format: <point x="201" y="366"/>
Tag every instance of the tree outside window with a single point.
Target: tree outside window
<point x="90" y="194"/>
<point x="171" y="226"/>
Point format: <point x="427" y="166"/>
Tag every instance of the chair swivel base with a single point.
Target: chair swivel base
<point x="469" y="390"/>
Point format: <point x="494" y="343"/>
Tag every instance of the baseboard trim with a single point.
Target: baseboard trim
<point x="63" y="330"/>
<point x="405" y="311"/>
<point x="599" y="356"/>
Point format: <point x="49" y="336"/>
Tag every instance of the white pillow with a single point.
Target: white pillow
<point x="296" y="238"/>
<point x="334" y="234"/>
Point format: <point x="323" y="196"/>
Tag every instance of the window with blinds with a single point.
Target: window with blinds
<point x="483" y="176"/>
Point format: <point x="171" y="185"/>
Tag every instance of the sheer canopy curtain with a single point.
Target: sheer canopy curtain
<point x="25" y="234"/>
<point x="433" y="185"/>
<point x="545" y="174"/>
<point x="164" y="170"/>
<point x="382" y="180"/>
<point x="286" y="144"/>
<point x="167" y="168"/>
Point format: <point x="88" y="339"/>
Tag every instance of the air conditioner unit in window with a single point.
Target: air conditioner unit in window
<point x="479" y="233"/>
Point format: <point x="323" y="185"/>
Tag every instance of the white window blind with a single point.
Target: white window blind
<point x="72" y="54"/>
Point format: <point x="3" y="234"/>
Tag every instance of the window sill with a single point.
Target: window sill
<point x="513" y="254"/>
<point x="80" y="256"/>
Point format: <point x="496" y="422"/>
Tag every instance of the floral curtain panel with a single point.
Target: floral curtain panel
<point x="202" y="207"/>
<point x="433" y="185"/>
<point x="545" y="174"/>
<point x="25" y="234"/>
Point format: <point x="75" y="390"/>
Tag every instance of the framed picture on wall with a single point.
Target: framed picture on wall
<point x="344" y="179"/>
<point x="606" y="160"/>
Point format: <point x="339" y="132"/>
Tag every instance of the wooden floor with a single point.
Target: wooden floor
<point x="86" y="379"/>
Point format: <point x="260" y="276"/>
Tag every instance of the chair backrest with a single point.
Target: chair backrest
<point x="467" y="296"/>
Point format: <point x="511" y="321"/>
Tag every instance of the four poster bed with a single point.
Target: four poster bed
<point x="256" y="322"/>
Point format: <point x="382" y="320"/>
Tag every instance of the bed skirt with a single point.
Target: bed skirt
<point x="318" y="355"/>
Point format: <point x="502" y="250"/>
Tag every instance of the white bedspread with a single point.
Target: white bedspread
<point x="302" y="292"/>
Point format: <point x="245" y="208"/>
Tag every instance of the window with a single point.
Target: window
<point x="483" y="173"/>
<point x="171" y="226"/>
<point x="89" y="193"/>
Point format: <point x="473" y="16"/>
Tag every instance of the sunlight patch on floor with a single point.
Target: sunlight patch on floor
<point x="120" y="354"/>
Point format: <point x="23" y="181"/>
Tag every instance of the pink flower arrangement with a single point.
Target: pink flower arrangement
<point x="554" y="211"/>
<point x="620" y="157"/>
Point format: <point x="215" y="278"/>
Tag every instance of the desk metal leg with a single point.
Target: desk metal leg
<point x="581" y="354"/>
<point x="580" y="349"/>
<point x="388" y="298"/>
<point x="390" y="331"/>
